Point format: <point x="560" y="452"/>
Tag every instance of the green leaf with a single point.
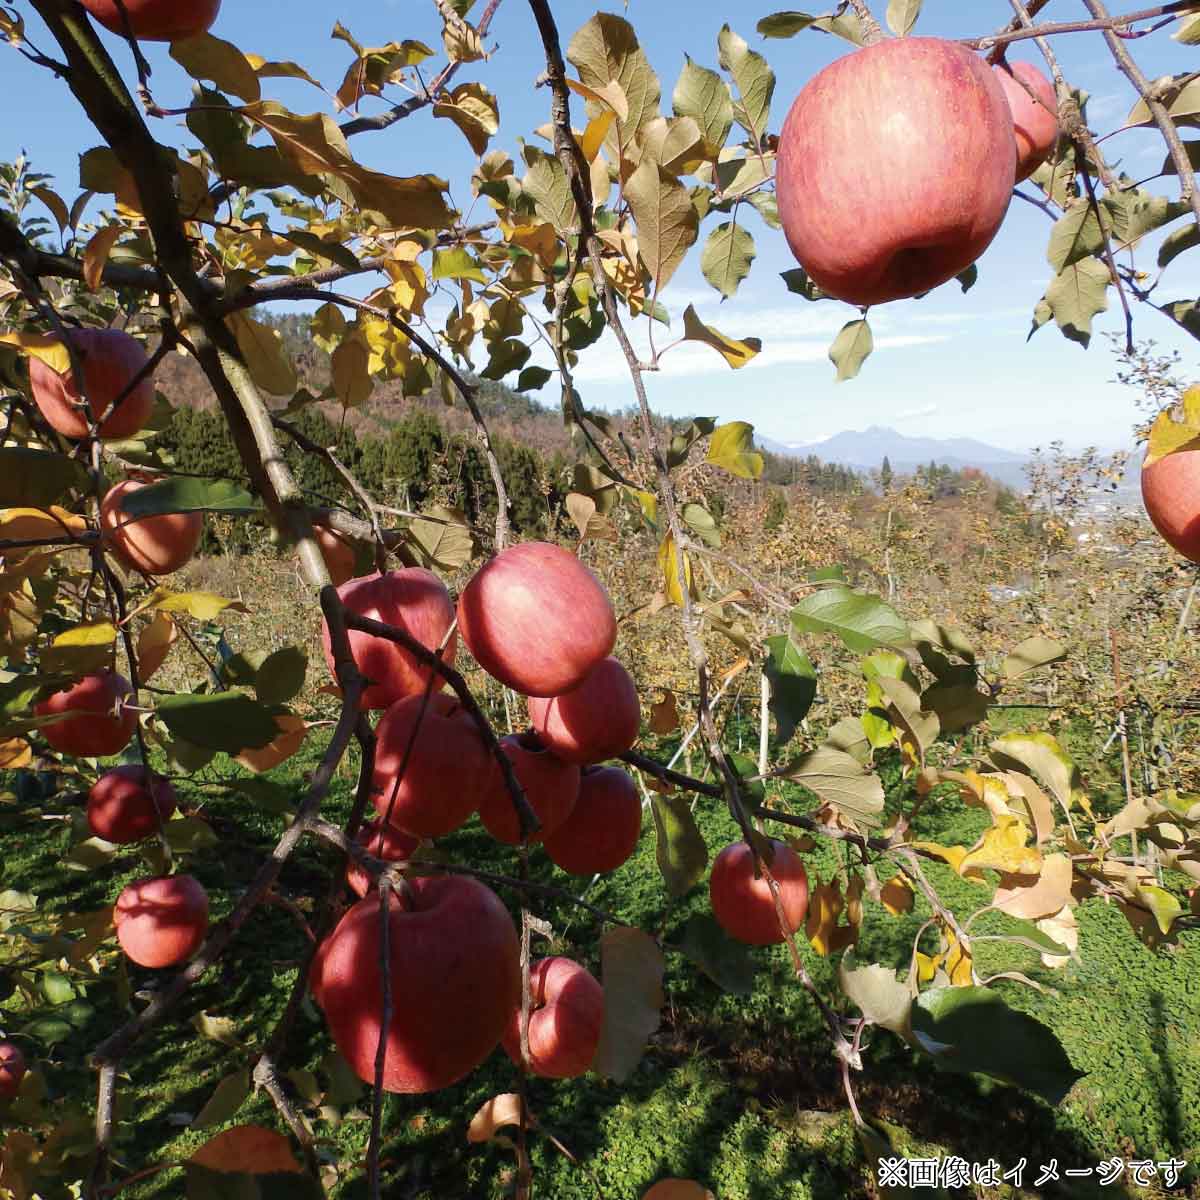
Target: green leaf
<point x="189" y="495"/>
<point x="1078" y="234"/>
<point x="680" y="849"/>
<point x="37" y="478"/>
<point x="1189" y="31"/>
<point x="1026" y="933"/>
<point x="329" y="250"/>
<point x="1176" y="243"/>
<point x="839" y="779"/>
<point x="667" y="221"/>
<point x="189" y="833"/>
<point x="547" y="186"/>
<point x="1074" y="298"/>
<point x="736" y="353"/>
<point x="727" y="256"/>
<point x="880" y="996"/>
<point x="799" y="284"/>
<point x="457" y="263"/>
<point x="704" y="96"/>
<point x="281" y="676"/>
<point x="957" y="705"/>
<point x="56" y="987"/>
<point x="732" y="448"/>
<point x="221" y="62"/>
<point x="793" y="681"/>
<point x="1032" y="653"/>
<point x="228" y="721"/>
<point x="728" y="963"/>
<point x="605" y="49"/>
<point x="861" y="621"/>
<point x="851" y="348"/>
<point x="228" y="1096"/>
<point x="784" y="24"/>
<point x="902" y="16"/>
<point x="631" y="971"/>
<point x="754" y="79"/>
<point x="701" y="522"/>
<point x="979" y="1032"/>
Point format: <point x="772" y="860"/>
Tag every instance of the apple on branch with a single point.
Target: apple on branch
<point x="895" y="168"/>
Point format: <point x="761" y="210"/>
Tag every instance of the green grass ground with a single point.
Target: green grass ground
<point x="739" y="1093"/>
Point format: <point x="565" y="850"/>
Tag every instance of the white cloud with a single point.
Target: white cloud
<point x="911" y="414"/>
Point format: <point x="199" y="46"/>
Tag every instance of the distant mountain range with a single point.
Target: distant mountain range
<point x="866" y="449"/>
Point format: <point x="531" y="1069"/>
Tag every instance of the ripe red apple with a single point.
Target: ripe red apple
<point x="565" y="1020"/>
<point x="339" y="554"/>
<point x="455" y="976"/>
<point x="1035" y="121"/>
<point x="597" y="720"/>
<point x="12" y="1069"/>
<point x="1171" y="494"/>
<point x="743" y="905"/>
<point x="382" y="841"/>
<point x="604" y="826"/>
<point x="412" y="599"/>
<point x="103" y="725"/>
<point x="895" y="169"/>
<point x="537" y="619"/>
<point x="128" y="804"/>
<point x="110" y="360"/>
<point x="448" y="769"/>
<point x="551" y="787"/>
<point x="162" y="922"/>
<point x="153" y="545"/>
<point x="157" y="20"/>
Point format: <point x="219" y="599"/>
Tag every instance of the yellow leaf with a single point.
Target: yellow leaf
<point x="204" y="606"/>
<point x="208" y="57"/>
<point x="351" y="381"/>
<point x="595" y="133"/>
<point x="496" y="1114"/>
<point x="957" y="962"/>
<point x="44" y="346"/>
<point x="610" y="94"/>
<point x="1176" y="428"/>
<point x="328" y="326"/>
<point x="668" y="568"/>
<point x="1064" y="929"/>
<point x="732" y="447"/>
<point x="735" y="353"/>
<point x="14" y="754"/>
<point x="474" y="110"/>
<point x="54" y="202"/>
<point x="1004" y="847"/>
<point x="292" y="731"/>
<point x="897" y="895"/>
<point x="30" y="524"/>
<point x="96" y="255"/>
<point x="154" y="644"/>
<point x="266" y="359"/>
<point x="97" y="633"/>
<point x="824" y="907"/>
<point x="1031" y="897"/>
<point x="927" y="966"/>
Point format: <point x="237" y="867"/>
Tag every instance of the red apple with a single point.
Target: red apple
<point x="604" y="826"/>
<point x="381" y="841"/>
<point x="565" y="1020"/>
<point x="896" y="167"/>
<point x="597" y="720"/>
<point x="153" y="545"/>
<point x="12" y="1069"/>
<point x="103" y="725"/>
<point x="128" y="804"/>
<point x="411" y="599"/>
<point x="551" y="787"/>
<point x="743" y="905"/>
<point x="157" y="20"/>
<point x="1171" y="494"/>
<point x="537" y="619"/>
<point x="339" y="554"/>
<point x="110" y="360"/>
<point x="162" y="922"/>
<point x="1035" y="118"/>
<point x="448" y="768"/>
<point x="455" y="976"/>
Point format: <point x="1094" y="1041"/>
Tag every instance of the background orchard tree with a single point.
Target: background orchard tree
<point x="199" y="220"/>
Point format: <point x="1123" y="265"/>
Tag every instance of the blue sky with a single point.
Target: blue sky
<point x="946" y="366"/>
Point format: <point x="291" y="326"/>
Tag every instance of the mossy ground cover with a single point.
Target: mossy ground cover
<point x="739" y="1092"/>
